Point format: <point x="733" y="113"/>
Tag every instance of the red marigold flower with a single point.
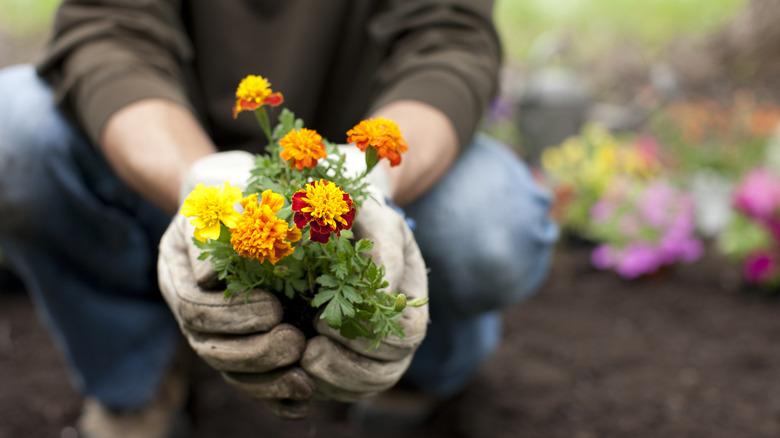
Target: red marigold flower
<point x="253" y="92"/>
<point x="383" y="135"/>
<point x="325" y="208"/>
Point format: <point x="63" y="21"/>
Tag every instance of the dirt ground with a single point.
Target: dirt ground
<point x="686" y="354"/>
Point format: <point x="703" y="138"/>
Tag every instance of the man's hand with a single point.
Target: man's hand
<point x="345" y="369"/>
<point x="242" y="338"/>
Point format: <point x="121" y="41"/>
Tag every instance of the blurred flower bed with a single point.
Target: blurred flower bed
<point x="695" y="172"/>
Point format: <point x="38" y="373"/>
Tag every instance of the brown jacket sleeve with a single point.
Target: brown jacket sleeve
<point x="445" y="53"/>
<point x="109" y="53"/>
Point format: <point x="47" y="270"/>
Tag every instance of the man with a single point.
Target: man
<point x="145" y="91"/>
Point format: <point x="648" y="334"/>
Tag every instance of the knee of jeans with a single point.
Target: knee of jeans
<point x="33" y="135"/>
<point x="507" y="264"/>
<point x="496" y="251"/>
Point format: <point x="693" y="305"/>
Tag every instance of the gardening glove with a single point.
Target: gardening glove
<point x="348" y="369"/>
<point x="242" y="338"/>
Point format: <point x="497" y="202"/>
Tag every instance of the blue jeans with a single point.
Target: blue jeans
<point x="86" y="247"/>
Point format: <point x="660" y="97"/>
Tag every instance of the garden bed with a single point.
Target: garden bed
<point x="683" y="353"/>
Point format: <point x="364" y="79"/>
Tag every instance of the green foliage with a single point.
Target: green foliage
<point x="597" y="24"/>
<point x="742" y="237"/>
<point x="351" y="288"/>
<point x="25" y="18"/>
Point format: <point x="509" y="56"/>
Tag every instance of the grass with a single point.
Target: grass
<point x="597" y="24"/>
<point x="23" y="18"/>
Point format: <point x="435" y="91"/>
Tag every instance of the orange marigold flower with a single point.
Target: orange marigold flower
<point x="253" y="92"/>
<point x="259" y="233"/>
<point x="325" y="207"/>
<point x="302" y="148"/>
<point x="383" y="135"/>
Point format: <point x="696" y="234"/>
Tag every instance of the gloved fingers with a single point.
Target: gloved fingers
<point x="209" y="312"/>
<point x="255" y="353"/>
<point x="289" y="409"/>
<point x="326" y="391"/>
<point x="385" y="227"/>
<point x="287" y="385"/>
<point x="332" y="365"/>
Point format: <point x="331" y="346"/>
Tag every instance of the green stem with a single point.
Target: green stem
<point x="262" y="118"/>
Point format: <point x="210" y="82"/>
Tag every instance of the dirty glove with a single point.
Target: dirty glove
<point x="345" y="369"/>
<point x="244" y="338"/>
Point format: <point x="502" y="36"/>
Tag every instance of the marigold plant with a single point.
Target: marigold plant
<point x="289" y="231"/>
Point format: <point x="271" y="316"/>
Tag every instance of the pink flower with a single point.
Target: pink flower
<point x="642" y="232"/>
<point x="603" y="257"/>
<point x="638" y="259"/>
<point x="758" y="195"/>
<point x="657" y="202"/>
<point x="761" y="267"/>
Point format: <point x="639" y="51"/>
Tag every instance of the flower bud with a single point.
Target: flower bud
<point x="400" y="302"/>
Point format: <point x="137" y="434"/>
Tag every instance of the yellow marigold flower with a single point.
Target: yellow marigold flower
<point x="259" y="233"/>
<point x="302" y="148"/>
<point x="253" y="92"/>
<point x="207" y="207"/>
<point x="325" y="207"/>
<point x="383" y="135"/>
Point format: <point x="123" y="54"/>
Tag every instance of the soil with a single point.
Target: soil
<point x="683" y="354"/>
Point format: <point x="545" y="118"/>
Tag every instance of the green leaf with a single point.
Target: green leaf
<point x="364" y="245"/>
<point x="322" y="297"/>
<point x="285" y="213"/>
<point x="327" y="280"/>
<point x="344" y="245"/>
<point x="299" y="284"/>
<point x="352" y="329"/>
<point x="346" y="307"/>
<point x="288" y="290"/>
<point x="332" y="314"/>
<point x="351" y="294"/>
<point x="340" y="270"/>
<point x="372" y="272"/>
